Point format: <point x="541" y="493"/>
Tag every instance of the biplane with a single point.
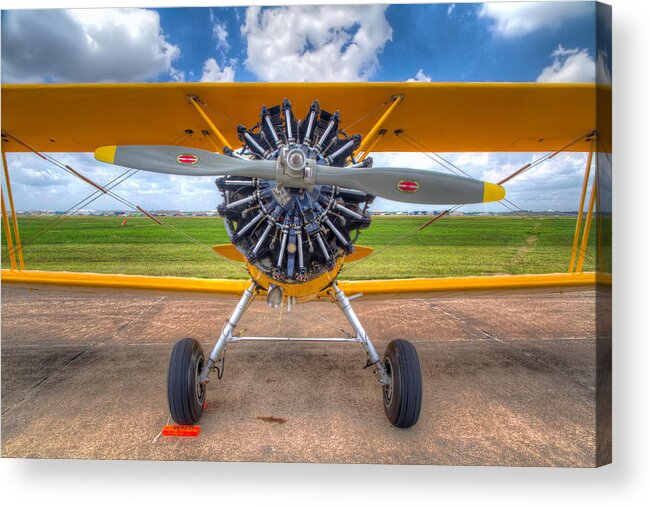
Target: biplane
<point x="296" y="183"/>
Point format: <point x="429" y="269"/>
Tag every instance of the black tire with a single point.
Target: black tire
<point x="186" y="397"/>
<point x="402" y="399"/>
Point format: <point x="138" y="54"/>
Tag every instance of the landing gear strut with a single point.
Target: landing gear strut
<point x="398" y="372"/>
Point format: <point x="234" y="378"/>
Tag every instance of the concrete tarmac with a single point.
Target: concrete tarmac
<point x="508" y="379"/>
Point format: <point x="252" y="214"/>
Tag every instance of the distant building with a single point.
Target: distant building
<point x="167" y="213"/>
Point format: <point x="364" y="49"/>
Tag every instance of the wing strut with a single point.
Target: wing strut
<point x="196" y="101"/>
<point x="5" y="225"/>
<point x="14" y="219"/>
<point x="380" y="135"/>
<point x="370" y="139"/>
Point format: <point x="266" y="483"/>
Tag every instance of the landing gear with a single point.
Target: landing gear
<point x="185" y="394"/>
<point x="398" y="373"/>
<point x="402" y="397"/>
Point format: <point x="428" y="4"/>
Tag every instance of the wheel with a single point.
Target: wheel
<point x="403" y="397"/>
<point x="185" y="394"/>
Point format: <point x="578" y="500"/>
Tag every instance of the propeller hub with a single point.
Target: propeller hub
<point x="294" y="169"/>
<point x="295" y="161"/>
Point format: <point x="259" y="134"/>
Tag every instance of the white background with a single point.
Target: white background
<point x="626" y="482"/>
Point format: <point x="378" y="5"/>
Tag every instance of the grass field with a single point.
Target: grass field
<point x="452" y="246"/>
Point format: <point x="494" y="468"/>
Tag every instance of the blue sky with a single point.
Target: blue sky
<point x="521" y="42"/>
<point x="449" y="42"/>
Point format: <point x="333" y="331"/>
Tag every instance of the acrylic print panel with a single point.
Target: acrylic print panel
<point x="187" y="191"/>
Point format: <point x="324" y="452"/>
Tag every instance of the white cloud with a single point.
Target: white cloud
<point x="84" y="45"/>
<point x="177" y="74"/>
<point x="213" y="73"/>
<point x="315" y="43"/>
<point x="420" y="77"/>
<point x="602" y="71"/>
<point x="451" y="8"/>
<point x="569" y="66"/>
<point x="519" y="18"/>
<point x="220" y="34"/>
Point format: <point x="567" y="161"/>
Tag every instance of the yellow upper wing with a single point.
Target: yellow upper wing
<point x="445" y="117"/>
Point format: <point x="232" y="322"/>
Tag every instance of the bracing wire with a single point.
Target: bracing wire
<point x="511" y="206"/>
<point x="84" y="202"/>
<point x="454" y="169"/>
<point x="122" y="200"/>
<point x="364" y="116"/>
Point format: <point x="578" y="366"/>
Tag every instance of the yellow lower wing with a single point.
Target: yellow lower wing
<point x="359" y="253"/>
<point x="229" y="251"/>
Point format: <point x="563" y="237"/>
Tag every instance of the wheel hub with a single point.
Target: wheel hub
<point x="199" y="387"/>
<point x="388" y="389"/>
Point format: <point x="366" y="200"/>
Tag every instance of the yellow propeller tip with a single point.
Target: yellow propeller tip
<point x="493" y="192"/>
<point x="105" y="154"/>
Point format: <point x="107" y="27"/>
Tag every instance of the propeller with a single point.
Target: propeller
<point x="415" y="186"/>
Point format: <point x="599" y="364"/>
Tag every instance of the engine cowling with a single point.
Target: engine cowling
<point x="291" y="230"/>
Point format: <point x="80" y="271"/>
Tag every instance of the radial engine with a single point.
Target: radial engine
<point x="291" y="229"/>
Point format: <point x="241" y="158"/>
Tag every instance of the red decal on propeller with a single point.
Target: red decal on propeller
<point x="187" y="159"/>
<point x="408" y="186"/>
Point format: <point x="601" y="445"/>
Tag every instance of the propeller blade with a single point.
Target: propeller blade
<point x="184" y="161"/>
<point x="397" y="184"/>
<point x="415" y="186"/>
